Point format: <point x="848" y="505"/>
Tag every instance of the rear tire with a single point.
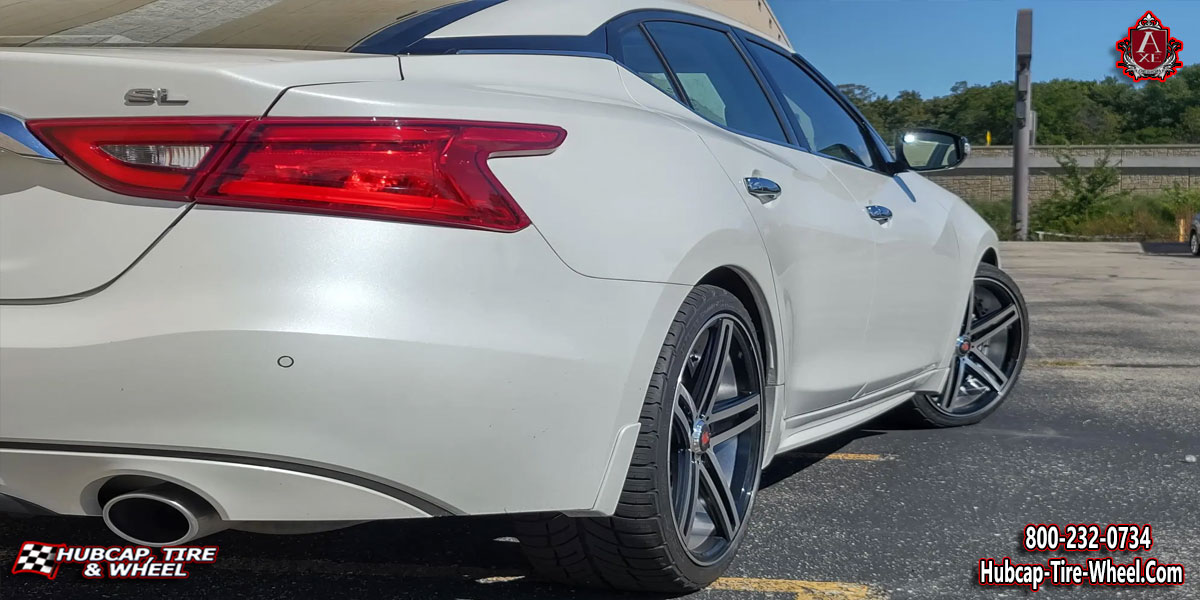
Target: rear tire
<point x="1194" y="243"/>
<point x="995" y="331"/>
<point x="643" y="547"/>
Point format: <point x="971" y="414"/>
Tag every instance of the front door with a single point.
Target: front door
<point x="916" y="251"/>
<point x="822" y="250"/>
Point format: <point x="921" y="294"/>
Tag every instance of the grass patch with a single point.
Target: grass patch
<point x="998" y="214"/>
<point x="1090" y="204"/>
<point x="1144" y="217"/>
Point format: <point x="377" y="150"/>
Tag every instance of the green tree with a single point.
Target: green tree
<point x="1082" y="195"/>
<point x="1111" y="111"/>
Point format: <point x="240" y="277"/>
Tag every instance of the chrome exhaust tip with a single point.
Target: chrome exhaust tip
<point x="162" y="515"/>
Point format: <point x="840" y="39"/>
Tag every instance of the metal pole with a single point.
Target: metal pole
<point x="1023" y="125"/>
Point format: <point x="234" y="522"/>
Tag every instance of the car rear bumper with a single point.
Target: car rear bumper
<point x="297" y="367"/>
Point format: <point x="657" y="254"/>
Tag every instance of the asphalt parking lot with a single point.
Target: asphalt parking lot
<point x="1097" y="431"/>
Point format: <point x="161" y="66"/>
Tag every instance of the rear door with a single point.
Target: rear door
<point x="821" y="251"/>
<point x="61" y="234"/>
<point x="917" y="253"/>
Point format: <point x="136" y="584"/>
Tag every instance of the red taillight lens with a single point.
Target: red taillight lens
<point x="428" y="171"/>
<point x="157" y="158"/>
<point x="398" y="169"/>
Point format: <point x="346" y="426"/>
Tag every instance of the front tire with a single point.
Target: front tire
<point x="1195" y="243"/>
<point x="988" y="353"/>
<point x="690" y="488"/>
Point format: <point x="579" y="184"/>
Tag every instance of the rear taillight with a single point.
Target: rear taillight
<point x="397" y="169"/>
<point x="155" y="158"/>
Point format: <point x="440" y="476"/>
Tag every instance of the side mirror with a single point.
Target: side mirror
<point x="931" y="149"/>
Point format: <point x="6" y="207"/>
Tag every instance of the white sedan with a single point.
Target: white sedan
<point x="595" y="263"/>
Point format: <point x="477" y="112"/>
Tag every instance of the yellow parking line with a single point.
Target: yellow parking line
<point x="803" y="590"/>
<point x="845" y="456"/>
<point x="1058" y="363"/>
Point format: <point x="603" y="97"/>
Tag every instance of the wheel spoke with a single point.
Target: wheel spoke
<point x="953" y="384"/>
<point x="685" y="403"/>
<point x="969" y="317"/>
<point x="687" y="495"/>
<point x="682" y="421"/>
<point x="733" y="409"/>
<point x="983" y="366"/>
<point x="721" y="504"/>
<point x="733" y="431"/>
<point x="989" y="326"/>
<point x="715" y="359"/>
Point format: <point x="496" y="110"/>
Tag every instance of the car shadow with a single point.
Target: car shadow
<point x="788" y="464"/>
<point x="1166" y="248"/>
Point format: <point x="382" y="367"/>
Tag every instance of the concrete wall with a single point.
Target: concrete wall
<point x="987" y="174"/>
<point x="755" y="13"/>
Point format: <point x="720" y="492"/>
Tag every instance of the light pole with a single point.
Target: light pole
<point x="1023" y="127"/>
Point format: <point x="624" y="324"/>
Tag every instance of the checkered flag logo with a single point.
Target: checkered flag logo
<point x="37" y="558"/>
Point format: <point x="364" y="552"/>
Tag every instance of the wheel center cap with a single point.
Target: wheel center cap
<point x="701" y="437"/>
<point x="962" y="344"/>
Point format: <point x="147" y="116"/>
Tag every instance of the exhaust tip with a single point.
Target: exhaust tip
<point x="163" y="515"/>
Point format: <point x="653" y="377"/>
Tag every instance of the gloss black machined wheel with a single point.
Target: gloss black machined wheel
<point x="988" y="353"/>
<point x="690" y="488"/>
<point x="716" y="438"/>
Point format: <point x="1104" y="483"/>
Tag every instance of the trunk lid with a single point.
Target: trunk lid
<point x="61" y="235"/>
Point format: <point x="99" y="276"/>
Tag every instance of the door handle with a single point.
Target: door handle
<point x="879" y="214"/>
<point x="763" y="189"/>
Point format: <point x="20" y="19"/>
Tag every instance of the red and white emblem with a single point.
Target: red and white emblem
<point x="1149" y="52"/>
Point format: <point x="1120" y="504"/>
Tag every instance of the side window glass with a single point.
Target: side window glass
<point x="716" y="78"/>
<point x="637" y="54"/>
<point x="827" y="127"/>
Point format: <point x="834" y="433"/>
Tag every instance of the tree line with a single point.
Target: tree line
<point x="1112" y="111"/>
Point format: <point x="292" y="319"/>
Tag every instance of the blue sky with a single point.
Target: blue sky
<point x="928" y="45"/>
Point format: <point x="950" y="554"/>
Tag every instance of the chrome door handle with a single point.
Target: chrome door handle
<point x="763" y="189"/>
<point x="879" y="214"/>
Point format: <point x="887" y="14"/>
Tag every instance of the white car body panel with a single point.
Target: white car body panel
<point x="62" y="235"/>
<point x="381" y="320"/>
<point x="214" y="81"/>
<point x="433" y="370"/>
<point x="916" y="253"/>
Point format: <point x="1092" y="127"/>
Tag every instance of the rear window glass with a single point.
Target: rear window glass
<point x="640" y="57"/>
<point x="716" y="79"/>
<point x="299" y="24"/>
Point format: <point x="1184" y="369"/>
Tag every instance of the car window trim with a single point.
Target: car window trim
<point x="642" y="17"/>
<point x="600" y="44"/>
<point x="882" y="165"/>
<point x="768" y="94"/>
<point x="614" y="38"/>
